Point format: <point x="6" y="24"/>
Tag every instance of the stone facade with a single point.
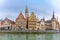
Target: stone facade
<point x="27" y="22"/>
<point x="55" y="23"/>
<point x="32" y="22"/>
<point x="42" y="24"/>
<point x="21" y="21"/>
<point x="51" y="24"/>
<point x="7" y="23"/>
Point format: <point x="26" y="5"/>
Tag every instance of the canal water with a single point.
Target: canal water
<point x="30" y="36"/>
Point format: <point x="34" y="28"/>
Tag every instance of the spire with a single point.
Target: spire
<point x="53" y="16"/>
<point x="26" y="15"/>
<point x="26" y="10"/>
<point x="43" y="18"/>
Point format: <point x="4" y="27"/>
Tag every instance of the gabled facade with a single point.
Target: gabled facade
<point x="32" y="22"/>
<point x="42" y="24"/>
<point x="21" y="21"/>
<point x="6" y="23"/>
<point x="51" y="24"/>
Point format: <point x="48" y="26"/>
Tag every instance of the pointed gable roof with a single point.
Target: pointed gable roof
<point x="6" y="19"/>
<point x="20" y="17"/>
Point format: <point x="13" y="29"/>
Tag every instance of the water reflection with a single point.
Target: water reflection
<point x="49" y="36"/>
<point x="30" y="36"/>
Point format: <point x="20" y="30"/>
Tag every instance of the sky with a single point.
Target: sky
<point x="41" y="8"/>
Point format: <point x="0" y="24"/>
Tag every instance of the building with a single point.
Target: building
<point x="27" y="22"/>
<point x="51" y="24"/>
<point x="42" y="24"/>
<point x="55" y="23"/>
<point x="6" y="24"/>
<point x="21" y="21"/>
<point x="32" y="22"/>
<point x="14" y="26"/>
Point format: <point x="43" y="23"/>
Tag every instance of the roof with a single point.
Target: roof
<point x="20" y="17"/>
<point x="48" y="21"/>
<point x="12" y="22"/>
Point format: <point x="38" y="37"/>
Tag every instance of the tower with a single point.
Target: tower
<point x="54" y="22"/>
<point x="53" y="16"/>
<point x="26" y="12"/>
<point x="26" y="15"/>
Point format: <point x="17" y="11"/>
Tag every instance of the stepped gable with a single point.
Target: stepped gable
<point x="32" y="17"/>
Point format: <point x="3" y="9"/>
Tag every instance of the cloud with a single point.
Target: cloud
<point x="53" y="5"/>
<point x="41" y="8"/>
<point x="56" y="5"/>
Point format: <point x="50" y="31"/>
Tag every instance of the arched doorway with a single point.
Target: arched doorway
<point x="8" y="27"/>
